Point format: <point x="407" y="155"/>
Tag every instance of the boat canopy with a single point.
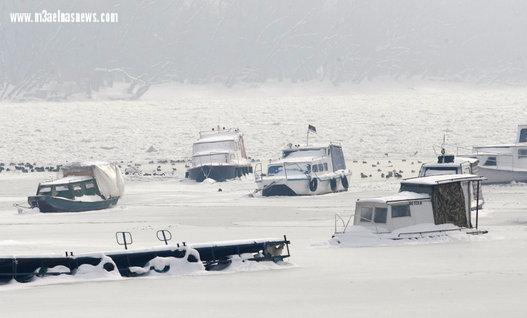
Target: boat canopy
<point x="108" y="176"/>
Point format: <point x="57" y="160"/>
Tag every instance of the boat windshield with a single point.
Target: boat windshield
<point x="215" y="146"/>
<point x="290" y="169"/>
<point x="436" y="171"/>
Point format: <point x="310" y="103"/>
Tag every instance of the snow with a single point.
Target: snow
<point x="478" y="276"/>
<point x="400" y="196"/>
<point x="66" y="180"/>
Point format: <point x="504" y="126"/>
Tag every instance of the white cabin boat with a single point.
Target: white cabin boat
<point x="219" y="154"/>
<point x="504" y="163"/>
<point x="424" y="207"/>
<point x="305" y="170"/>
<point x="450" y="164"/>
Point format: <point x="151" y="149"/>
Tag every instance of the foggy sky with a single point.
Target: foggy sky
<point x="256" y="40"/>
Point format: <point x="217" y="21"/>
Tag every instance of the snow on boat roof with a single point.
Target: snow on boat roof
<point x="67" y="180"/>
<point x="211" y="152"/>
<point x="441" y="179"/>
<point x="217" y="135"/>
<point x="292" y="160"/>
<point x="217" y="138"/>
<point x="401" y="196"/>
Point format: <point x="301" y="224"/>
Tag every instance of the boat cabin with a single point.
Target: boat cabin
<point x="218" y="154"/>
<point x="306" y="160"/>
<point x="440" y="199"/>
<point x="71" y="187"/>
<point x="506" y="157"/>
<point x="449" y="164"/>
<point x="218" y="146"/>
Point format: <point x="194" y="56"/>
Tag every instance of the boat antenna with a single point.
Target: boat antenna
<point x="443" y="151"/>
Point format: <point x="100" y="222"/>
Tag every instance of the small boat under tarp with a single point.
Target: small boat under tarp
<point x="83" y="187"/>
<point x="133" y="263"/>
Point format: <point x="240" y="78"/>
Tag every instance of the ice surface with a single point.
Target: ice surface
<point x="485" y="277"/>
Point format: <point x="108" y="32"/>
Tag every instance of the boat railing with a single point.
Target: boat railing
<point x="340" y="223"/>
<point x="420" y="233"/>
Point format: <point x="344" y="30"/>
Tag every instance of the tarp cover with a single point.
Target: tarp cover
<point x="107" y="175"/>
<point x="448" y="202"/>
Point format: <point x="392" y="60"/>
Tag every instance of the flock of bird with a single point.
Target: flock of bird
<point x="166" y="167"/>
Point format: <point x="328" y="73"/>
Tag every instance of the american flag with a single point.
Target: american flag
<point x="311" y="128"/>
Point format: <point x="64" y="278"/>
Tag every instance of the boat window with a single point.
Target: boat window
<point x="380" y="215"/>
<point x="417" y="188"/>
<point x="213" y="146"/>
<point x="523" y="135"/>
<point x="77" y="190"/>
<point x="272" y="170"/>
<point x="62" y="191"/>
<point x="491" y="161"/>
<point x="399" y="211"/>
<point x="44" y="190"/>
<point x="320" y="167"/>
<point x="325" y="166"/>
<point x="315" y="168"/>
<point x="522" y="153"/>
<point x="439" y="171"/>
<point x="337" y="157"/>
<point x="366" y="214"/>
<point x="90" y="188"/>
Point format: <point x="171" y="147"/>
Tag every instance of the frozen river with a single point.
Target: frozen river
<point x="484" y="277"/>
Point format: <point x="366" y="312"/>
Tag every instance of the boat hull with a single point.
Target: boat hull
<point x="218" y="173"/>
<point x="501" y="176"/>
<point x="49" y="204"/>
<point x="296" y="187"/>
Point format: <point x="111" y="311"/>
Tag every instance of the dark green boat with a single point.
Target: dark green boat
<point x="71" y="194"/>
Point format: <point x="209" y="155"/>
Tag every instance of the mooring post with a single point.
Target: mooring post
<point x="477" y="203"/>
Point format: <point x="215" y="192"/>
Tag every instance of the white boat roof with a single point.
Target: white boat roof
<point x="502" y="146"/>
<point x="211" y="152"/>
<point x="456" y="163"/>
<point x="312" y="146"/>
<point x="442" y="179"/>
<point x="66" y="180"/>
<point x="401" y="196"/>
<point x="308" y="159"/>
